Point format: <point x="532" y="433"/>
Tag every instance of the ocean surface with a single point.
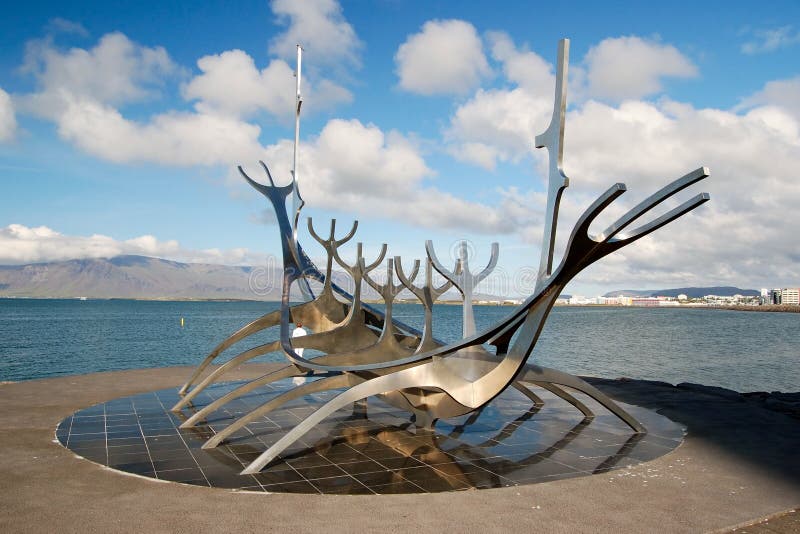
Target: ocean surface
<point x="744" y="351"/>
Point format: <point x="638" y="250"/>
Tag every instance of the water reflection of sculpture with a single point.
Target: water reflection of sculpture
<point x="370" y="354"/>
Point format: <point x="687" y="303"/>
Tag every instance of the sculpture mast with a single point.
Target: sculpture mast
<point x="297" y="200"/>
<point x="553" y="140"/>
<point x="298" y="102"/>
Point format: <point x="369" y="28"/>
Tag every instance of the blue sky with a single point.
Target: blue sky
<point x="121" y="125"/>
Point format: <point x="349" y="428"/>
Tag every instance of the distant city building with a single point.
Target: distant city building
<point x="774" y="296"/>
<point x="790" y="296"/>
<point x="786" y="296"/>
<point x="645" y="301"/>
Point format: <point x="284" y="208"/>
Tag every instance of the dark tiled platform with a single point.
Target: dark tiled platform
<point x="369" y="450"/>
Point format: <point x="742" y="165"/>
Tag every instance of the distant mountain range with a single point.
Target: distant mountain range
<point x="131" y="277"/>
<point x="691" y="292"/>
<point x="141" y="277"/>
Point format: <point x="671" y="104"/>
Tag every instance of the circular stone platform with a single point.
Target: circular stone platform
<point x="373" y="448"/>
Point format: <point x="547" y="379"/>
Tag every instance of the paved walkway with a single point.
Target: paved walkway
<point x="738" y="463"/>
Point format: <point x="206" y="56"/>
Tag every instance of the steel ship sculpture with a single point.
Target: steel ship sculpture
<point x="366" y="352"/>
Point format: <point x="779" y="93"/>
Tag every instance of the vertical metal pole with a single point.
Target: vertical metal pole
<point x="297" y="201"/>
<point x="298" y="104"/>
<point x="553" y="140"/>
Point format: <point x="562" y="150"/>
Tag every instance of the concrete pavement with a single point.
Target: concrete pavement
<point x="739" y="462"/>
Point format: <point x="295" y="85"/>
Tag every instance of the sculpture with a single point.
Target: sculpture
<point x="368" y="353"/>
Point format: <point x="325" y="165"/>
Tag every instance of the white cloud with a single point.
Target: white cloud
<point x="525" y="68"/>
<point x="115" y="71"/>
<point x="652" y="142"/>
<point x="80" y="90"/>
<point x="231" y="84"/>
<point x="59" y="25"/>
<point x="631" y="67"/>
<point x="446" y="57"/>
<point x="20" y="244"/>
<point x="500" y="124"/>
<point x="348" y="166"/>
<point x="8" y="122"/>
<point x="497" y="125"/>
<point x="320" y="27"/>
<point x="744" y="234"/>
<point x="771" y="40"/>
<point x="357" y="168"/>
<point x="170" y="138"/>
<point x="83" y="91"/>
<point x="742" y="237"/>
<point x="782" y="93"/>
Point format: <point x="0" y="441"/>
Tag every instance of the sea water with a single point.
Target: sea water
<point x="745" y="351"/>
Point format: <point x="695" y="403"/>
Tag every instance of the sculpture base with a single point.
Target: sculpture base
<point x="372" y="448"/>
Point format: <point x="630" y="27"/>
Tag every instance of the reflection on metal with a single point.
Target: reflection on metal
<point x="366" y="352"/>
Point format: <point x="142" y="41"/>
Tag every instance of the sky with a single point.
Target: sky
<point x="122" y="123"/>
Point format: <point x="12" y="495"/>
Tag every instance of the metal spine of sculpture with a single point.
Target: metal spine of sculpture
<point x="368" y="353"/>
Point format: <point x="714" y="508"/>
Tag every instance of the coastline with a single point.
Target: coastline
<point x="773" y="308"/>
<point x="141" y="299"/>
<point x="769" y="308"/>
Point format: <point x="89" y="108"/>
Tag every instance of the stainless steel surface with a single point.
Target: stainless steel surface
<point x="428" y="294"/>
<point x="368" y="353"/>
<point x="553" y="140"/>
<point x="463" y="279"/>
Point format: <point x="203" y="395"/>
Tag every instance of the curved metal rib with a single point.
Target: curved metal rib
<point x="282" y="373"/>
<point x="323" y="384"/>
<point x="552" y="388"/>
<point x="657" y="223"/>
<point x="320" y="314"/>
<point x="652" y="201"/>
<point x="355" y="393"/>
<point x="543" y="375"/>
<point x="224" y="368"/>
<point x="263" y="322"/>
<point x="536" y="399"/>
